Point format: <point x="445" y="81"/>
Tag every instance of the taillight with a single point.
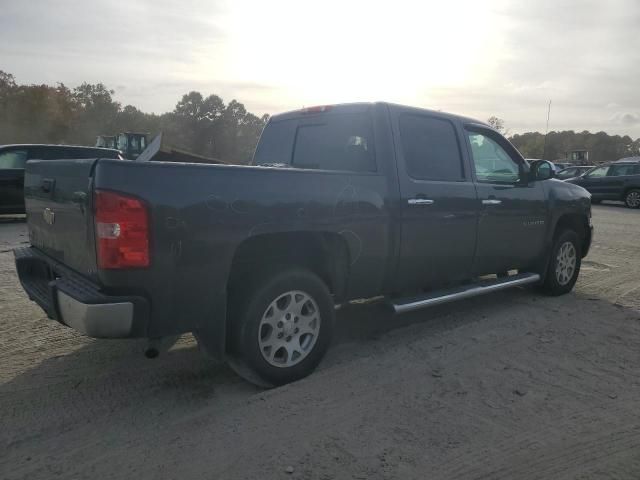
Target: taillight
<point x="122" y="231"/>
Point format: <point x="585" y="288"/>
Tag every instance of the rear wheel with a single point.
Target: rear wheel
<point x="282" y="327"/>
<point x="632" y="198"/>
<point x="564" y="264"/>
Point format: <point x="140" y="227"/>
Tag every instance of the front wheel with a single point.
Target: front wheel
<point x="282" y="326"/>
<point x="632" y="198"/>
<point x="564" y="264"/>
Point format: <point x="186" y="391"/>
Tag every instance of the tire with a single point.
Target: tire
<point x="632" y="198"/>
<point x="564" y="264"/>
<point x="282" y="326"/>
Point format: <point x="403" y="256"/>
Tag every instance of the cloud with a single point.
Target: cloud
<point x="626" y="118"/>
<point x="581" y="54"/>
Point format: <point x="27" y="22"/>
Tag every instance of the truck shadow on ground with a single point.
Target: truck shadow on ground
<point x="120" y="367"/>
<point x="103" y="377"/>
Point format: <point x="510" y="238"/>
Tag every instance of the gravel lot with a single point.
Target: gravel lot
<point x="509" y="386"/>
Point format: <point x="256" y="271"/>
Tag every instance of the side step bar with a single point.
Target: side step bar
<point x="405" y="305"/>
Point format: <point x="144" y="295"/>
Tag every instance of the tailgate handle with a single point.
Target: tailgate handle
<point x="48" y="184"/>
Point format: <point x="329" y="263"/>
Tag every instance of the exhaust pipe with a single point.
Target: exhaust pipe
<point x="155" y="346"/>
<point x="151" y="352"/>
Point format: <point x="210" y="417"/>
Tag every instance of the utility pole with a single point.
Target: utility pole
<point x="544" y="145"/>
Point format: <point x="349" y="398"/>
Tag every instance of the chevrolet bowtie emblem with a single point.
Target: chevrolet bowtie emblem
<point x="49" y="216"/>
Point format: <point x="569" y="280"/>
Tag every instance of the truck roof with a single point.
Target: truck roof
<point x="628" y="160"/>
<point x="356" y="107"/>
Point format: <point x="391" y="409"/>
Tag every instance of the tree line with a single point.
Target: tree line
<point x="205" y="125"/>
<point x="59" y="114"/>
<point x="601" y="146"/>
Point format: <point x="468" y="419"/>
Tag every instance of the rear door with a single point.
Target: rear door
<point x="438" y="202"/>
<point x="59" y="215"/>
<point x="513" y="217"/>
<point x="12" y="162"/>
<point x="617" y="179"/>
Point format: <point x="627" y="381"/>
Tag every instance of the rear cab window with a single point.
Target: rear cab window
<point x="339" y="141"/>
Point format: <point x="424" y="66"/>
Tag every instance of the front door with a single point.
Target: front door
<point x="513" y="212"/>
<point x="596" y="182"/>
<point x="439" y="206"/>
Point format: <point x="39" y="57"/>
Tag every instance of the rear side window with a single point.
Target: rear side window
<point x="48" y="153"/>
<point x="336" y="142"/>
<point x="431" y="149"/>
<point x="621" y="170"/>
<point x="13" y="159"/>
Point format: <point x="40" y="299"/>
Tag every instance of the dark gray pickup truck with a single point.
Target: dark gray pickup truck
<point x="342" y="202"/>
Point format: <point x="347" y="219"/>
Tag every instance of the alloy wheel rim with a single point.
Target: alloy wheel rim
<point x="289" y="329"/>
<point x="633" y="199"/>
<point x="566" y="263"/>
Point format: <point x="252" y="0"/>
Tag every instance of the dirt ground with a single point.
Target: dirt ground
<point x="509" y="386"/>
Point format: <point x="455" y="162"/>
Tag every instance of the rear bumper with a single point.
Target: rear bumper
<point x="76" y="302"/>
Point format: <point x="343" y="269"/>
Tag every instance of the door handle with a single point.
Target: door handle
<point x="491" y="201"/>
<point x="420" y="201"/>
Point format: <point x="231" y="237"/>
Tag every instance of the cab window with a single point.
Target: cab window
<point x="13" y="159"/>
<point x="276" y="143"/>
<point x="337" y="142"/>
<point x="491" y="162"/>
<point x="430" y="148"/>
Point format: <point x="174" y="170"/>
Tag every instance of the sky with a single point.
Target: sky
<point x="471" y="57"/>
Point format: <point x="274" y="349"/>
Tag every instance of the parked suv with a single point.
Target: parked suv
<point x="614" y="181"/>
<point x="14" y="157"/>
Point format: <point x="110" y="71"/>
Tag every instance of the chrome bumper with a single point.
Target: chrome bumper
<point x="77" y="302"/>
<point x="102" y="320"/>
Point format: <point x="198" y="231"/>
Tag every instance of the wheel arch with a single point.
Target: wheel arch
<point x="627" y="189"/>
<point x="326" y="254"/>
<point x="577" y="222"/>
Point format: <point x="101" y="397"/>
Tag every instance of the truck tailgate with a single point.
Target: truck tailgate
<point x="58" y="201"/>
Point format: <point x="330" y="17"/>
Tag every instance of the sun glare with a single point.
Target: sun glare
<point x="335" y="51"/>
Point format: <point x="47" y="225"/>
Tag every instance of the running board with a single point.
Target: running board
<point x="404" y="305"/>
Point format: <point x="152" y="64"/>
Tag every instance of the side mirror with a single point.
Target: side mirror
<point x="541" y="170"/>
